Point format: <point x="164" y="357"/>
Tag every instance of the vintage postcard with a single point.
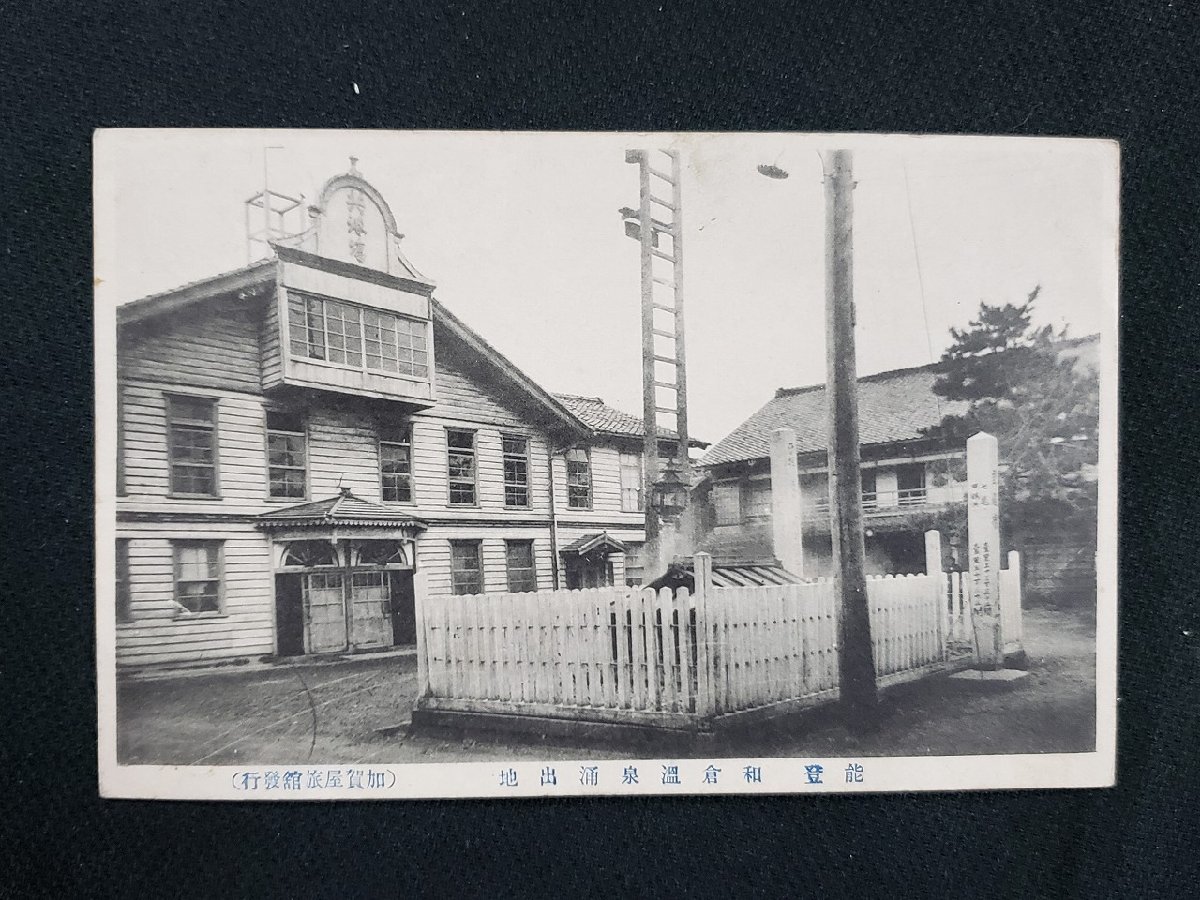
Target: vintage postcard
<point x="411" y="481"/>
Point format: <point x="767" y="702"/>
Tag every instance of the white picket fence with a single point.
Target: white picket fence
<point x="669" y="659"/>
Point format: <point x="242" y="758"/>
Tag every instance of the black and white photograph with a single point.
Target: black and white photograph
<point x="463" y="464"/>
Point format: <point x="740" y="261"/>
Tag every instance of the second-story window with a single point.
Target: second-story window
<point x="870" y="495"/>
<point x="631" y="482"/>
<point x="516" y="470"/>
<point x="579" y="479"/>
<point x="460" y="460"/>
<point x="287" y="455"/>
<point x="192" y="445"/>
<point x="356" y="337"/>
<point x="395" y="464"/>
<point x="910" y="484"/>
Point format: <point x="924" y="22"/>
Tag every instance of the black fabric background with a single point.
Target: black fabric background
<point x="1120" y="70"/>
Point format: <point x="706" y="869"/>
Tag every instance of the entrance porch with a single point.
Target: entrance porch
<point x="343" y="572"/>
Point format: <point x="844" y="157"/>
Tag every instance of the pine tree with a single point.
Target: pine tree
<point x="1042" y="406"/>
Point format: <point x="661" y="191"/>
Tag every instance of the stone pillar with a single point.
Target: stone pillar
<point x="933" y="552"/>
<point x="983" y="548"/>
<point x="787" y="523"/>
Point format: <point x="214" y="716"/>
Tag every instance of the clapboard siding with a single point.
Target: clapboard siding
<point x="214" y="344"/>
<point x="465" y="391"/>
<point x="606" y="487"/>
<point x="433" y="556"/>
<point x="158" y="633"/>
<point x="343" y="451"/>
<point x="240" y="442"/>
<point x="272" y="352"/>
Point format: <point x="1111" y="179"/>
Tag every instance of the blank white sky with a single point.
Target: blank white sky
<point x="522" y="235"/>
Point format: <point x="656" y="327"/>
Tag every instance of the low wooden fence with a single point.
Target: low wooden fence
<point x="669" y="659"/>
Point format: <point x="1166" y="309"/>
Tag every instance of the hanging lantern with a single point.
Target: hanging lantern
<point x="670" y="493"/>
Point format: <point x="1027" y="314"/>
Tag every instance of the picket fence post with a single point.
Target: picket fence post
<point x="702" y="569"/>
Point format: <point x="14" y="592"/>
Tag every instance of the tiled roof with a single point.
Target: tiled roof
<point x="749" y="574"/>
<point x="344" y="509"/>
<point x="605" y="419"/>
<point x="892" y="407"/>
<point x="589" y="542"/>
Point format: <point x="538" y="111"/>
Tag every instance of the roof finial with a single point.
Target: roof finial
<point x="354" y="165"/>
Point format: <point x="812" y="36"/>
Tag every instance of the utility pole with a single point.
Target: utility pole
<point x="856" y="659"/>
<point x="657" y="225"/>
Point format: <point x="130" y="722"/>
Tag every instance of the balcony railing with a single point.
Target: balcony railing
<point x="877" y="501"/>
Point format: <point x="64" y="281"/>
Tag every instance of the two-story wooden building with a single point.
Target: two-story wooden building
<point x="910" y="482"/>
<point x="297" y="436"/>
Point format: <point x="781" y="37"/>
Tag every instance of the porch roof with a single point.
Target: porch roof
<point x="343" y="510"/>
<point x="593" y="541"/>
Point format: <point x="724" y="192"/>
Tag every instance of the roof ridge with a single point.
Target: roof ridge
<point x="906" y="370"/>
<point x="599" y="400"/>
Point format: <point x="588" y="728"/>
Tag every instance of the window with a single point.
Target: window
<point x="460" y="458"/>
<point x="198" y="576"/>
<point x="910" y="483"/>
<point x="380" y="553"/>
<point x="466" y="568"/>
<point x="309" y="554"/>
<point x="727" y="502"/>
<point x="634" y="564"/>
<point x="757" y="502"/>
<point x="631" y="482"/>
<point x="395" y="344"/>
<point x="516" y="470"/>
<point x="124" y="595"/>
<point x="287" y="472"/>
<point x="519" y="559"/>
<point x="192" y="445"/>
<point x="814" y="491"/>
<point x="352" y="336"/>
<point x="870" y="497"/>
<point x="395" y="465"/>
<point x="579" y="479"/>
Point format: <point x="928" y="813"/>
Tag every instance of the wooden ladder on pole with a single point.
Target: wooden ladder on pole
<point x="658" y="227"/>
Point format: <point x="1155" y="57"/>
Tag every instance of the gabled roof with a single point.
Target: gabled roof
<point x="253" y="276"/>
<point x="608" y="420"/>
<point x="540" y="395"/>
<point x="893" y="407"/>
<point x="594" y="541"/>
<point x="344" y="509"/>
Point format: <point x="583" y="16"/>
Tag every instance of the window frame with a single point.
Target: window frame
<point x="746" y="501"/>
<point x="181" y="610"/>
<point x="360" y="310"/>
<point x="912" y="496"/>
<point x="384" y="434"/>
<point x="587" y="456"/>
<point x="869" y="499"/>
<point x="735" y="486"/>
<point x="532" y="568"/>
<point x="306" y="468"/>
<point x="171" y="399"/>
<point x="640" y="505"/>
<point x="454" y="581"/>
<point x="526" y="458"/>
<point x="124" y="584"/>
<point x="450" y="479"/>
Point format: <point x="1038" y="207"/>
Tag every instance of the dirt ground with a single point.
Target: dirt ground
<point x="358" y="710"/>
